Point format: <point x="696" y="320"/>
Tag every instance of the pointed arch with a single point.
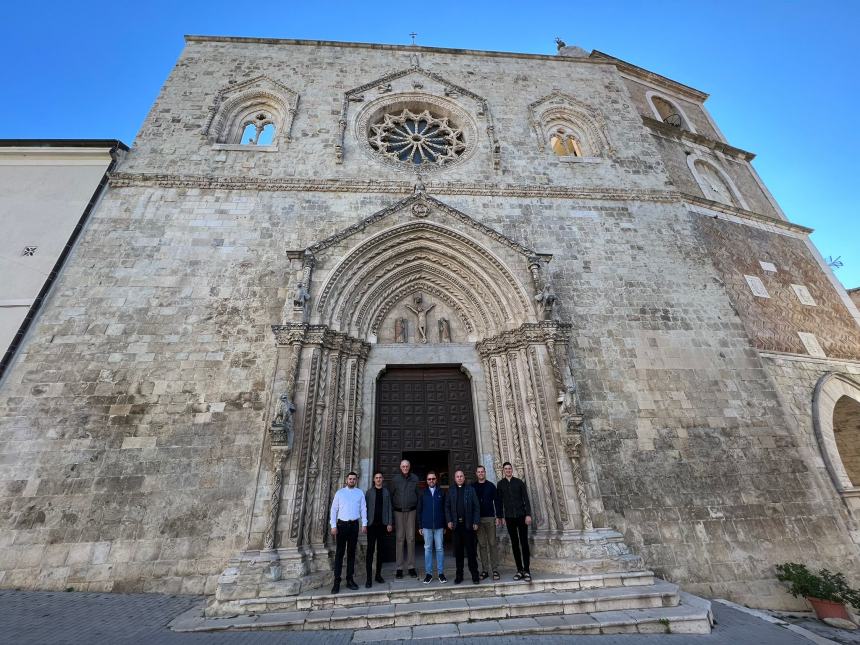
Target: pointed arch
<point x="559" y="116"/>
<point x="422" y="256"/>
<point x="261" y="102"/>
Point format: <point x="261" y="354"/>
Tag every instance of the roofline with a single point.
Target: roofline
<point x="623" y="65"/>
<point x="63" y="143"/>
<point x="189" y="38"/>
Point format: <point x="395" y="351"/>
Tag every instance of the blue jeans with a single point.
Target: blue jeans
<point x="432" y="536"/>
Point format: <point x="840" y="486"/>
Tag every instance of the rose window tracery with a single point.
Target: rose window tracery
<point x="417" y="138"/>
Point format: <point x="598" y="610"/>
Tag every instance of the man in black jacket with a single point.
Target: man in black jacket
<point x="517" y="514"/>
<point x="463" y="514"/>
<point x="380" y="521"/>
<point x="404" y="499"/>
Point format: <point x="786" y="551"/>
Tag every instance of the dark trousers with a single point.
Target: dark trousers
<point x="375" y="534"/>
<point x="519" y="533"/>
<point x="347" y="538"/>
<point x="464" y="538"/>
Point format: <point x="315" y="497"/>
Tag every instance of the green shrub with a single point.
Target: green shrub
<point x="826" y="585"/>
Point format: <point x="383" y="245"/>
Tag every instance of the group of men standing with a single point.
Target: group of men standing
<point x="471" y="511"/>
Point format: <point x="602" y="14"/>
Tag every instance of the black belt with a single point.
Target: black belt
<point x="405" y="510"/>
<point x="347" y="521"/>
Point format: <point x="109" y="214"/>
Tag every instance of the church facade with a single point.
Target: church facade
<point x="321" y="257"/>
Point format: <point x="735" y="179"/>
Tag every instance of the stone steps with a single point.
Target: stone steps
<point x="410" y="590"/>
<point x="512" y="609"/>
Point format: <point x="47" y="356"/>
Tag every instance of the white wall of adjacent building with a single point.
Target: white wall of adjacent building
<point x="43" y="194"/>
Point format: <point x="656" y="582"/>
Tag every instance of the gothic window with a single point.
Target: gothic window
<point x="668" y="111"/>
<point x="256" y="114"/>
<point x="258" y="132"/>
<point x="568" y="129"/>
<point x="564" y="144"/>
<point x="416" y="137"/>
<point x="714" y="183"/>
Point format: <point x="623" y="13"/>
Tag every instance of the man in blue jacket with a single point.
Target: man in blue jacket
<point x="463" y="512"/>
<point x="431" y="524"/>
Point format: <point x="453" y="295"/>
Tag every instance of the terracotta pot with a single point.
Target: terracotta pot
<point x="828" y="609"/>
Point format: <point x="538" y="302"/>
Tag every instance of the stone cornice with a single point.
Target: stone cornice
<point x="651" y="77"/>
<point x="409" y="49"/>
<point x="123" y="180"/>
<point x="527" y="334"/>
<point x="671" y="132"/>
<point x="530" y="191"/>
<point x="710" y="205"/>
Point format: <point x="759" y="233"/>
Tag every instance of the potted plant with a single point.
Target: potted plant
<point x="827" y="592"/>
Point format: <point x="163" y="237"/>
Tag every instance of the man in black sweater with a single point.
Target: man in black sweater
<point x="517" y="514"/>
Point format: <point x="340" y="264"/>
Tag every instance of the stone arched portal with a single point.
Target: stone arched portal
<point x="356" y="292"/>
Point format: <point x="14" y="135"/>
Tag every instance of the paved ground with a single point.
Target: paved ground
<point x="46" y="618"/>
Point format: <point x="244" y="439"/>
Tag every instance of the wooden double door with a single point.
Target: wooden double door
<point x="424" y="414"/>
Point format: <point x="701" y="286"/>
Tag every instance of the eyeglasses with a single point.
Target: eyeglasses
<point x="431" y="479"/>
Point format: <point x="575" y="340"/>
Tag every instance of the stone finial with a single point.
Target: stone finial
<point x="559" y="43"/>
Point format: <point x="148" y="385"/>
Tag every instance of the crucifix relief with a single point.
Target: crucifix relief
<point x="421" y="312"/>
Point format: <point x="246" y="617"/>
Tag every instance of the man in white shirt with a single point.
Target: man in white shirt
<point x="348" y="508"/>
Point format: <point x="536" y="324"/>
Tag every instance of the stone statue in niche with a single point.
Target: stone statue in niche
<point x="444" y="331"/>
<point x="401" y="334"/>
<point x="420" y="311"/>
<point x="547" y="300"/>
<point x="282" y="425"/>
<point x="301" y="296"/>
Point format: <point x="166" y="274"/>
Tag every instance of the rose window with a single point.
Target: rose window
<point x="417" y="138"/>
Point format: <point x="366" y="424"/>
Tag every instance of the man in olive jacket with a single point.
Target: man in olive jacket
<point x="404" y="499"/>
<point x="463" y="514"/>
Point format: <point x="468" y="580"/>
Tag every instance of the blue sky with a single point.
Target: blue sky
<point x="782" y="76"/>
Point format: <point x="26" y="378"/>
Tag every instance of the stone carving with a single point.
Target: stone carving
<point x="301" y="498"/>
<point x="312" y="506"/>
<point x="279" y="459"/>
<point x="573" y="449"/>
<point x="444" y="330"/>
<point x="282" y="425"/>
<point x="301" y="296"/>
<point x="547" y="438"/>
<point x="421" y="312"/>
<point x="420" y="210"/>
<point x="547" y="300"/>
<point x="401" y="330"/>
<point x="383" y="88"/>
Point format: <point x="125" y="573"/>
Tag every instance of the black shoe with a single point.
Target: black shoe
<point x="413" y="573"/>
<point x="399" y="574"/>
<point x="484" y="575"/>
<point x="335" y="588"/>
<point x="427" y="579"/>
<point x="442" y="578"/>
<point x="368" y="584"/>
<point x="458" y="579"/>
<point x="379" y="579"/>
<point x="350" y="584"/>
